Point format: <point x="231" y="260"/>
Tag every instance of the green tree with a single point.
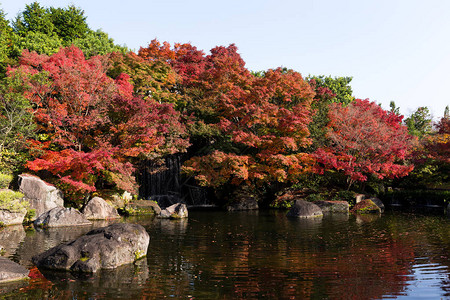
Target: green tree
<point x="420" y="122"/>
<point x="39" y="42"/>
<point x="7" y="42"/>
<point x="394" y="108"/>
<point x="69" y="23"/>
<point x="340" y="86"/>
<point x="34" y="18"/>
<point x="46" y="30"/>
<point x="98" y="43"/>
<point x="16" y="120"/>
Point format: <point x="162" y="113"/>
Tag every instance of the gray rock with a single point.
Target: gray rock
<point x="10" y="239"/>
<point x="8" y="217"/>
<point x="11" y="271"/>
<point x="248" y="204"/>
<point x="333" y="206"/>
<point x="102" y="248"/>
<point x="304" y="209"/>
<point x="176" y="211"/>
<point x="60" y="216"/>
<point x="41" y="195"/>
<point x="378" y="203"/>
<point x="99" y="209"/>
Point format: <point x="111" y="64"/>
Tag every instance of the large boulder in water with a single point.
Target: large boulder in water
<point x="176" y="211"/>
<point x="11" y="271"/>
<point x="333" y="206"/>
<point x="99" y="209"/>
<point x="60" y="216"/>
<point x="41" y="195"/>
<point x="102" y="248"/>
<point x="304" y="209"/>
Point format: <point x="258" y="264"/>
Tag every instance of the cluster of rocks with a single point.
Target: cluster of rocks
<point x="305" y="209"/>
<point x="103" y="248"/>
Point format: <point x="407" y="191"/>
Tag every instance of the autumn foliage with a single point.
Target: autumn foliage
<point x="96" y="119"/>
<point x="91" y="127"/>
<point x="365" y="140"/>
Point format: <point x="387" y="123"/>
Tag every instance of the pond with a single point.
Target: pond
<point x="259" y="254"/>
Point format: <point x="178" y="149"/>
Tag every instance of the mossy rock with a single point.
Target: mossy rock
<point x="366" y="206"/>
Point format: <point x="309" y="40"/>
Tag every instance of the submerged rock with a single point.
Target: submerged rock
<point x="60" y="216"/>
<point x="248" y="204"/>
<point x="333" y="206"/>
<point x="41" y="195"/>
<point x="102" y="248"/>
<point x="304" y="209"/>
<point x="11" y="271"/>
<point x="99" y="209"/>
<point x="176" y="211"/>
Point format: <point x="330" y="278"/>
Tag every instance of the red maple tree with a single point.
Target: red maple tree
<point x="365" y="139"/>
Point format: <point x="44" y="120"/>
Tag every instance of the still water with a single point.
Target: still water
<point x="259" y="255"/>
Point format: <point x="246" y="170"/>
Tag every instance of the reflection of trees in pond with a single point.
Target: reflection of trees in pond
<point x="282" y="258"/>
<point x="123" y="282"/>
<point x="10" y="238"/>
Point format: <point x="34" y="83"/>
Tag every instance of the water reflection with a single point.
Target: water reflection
<point x="10" y="238"/>
<point x="219" y="255"/>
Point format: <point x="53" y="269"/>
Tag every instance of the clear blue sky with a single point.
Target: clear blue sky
<point x="394" y="50"/>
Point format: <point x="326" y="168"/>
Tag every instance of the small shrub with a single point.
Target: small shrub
<point x="5" y="180"/>
<point x="31" y="213"/>
<point x="315" y="197"/>
<point x="348" y="196"/>
<point x="12" y="201"/>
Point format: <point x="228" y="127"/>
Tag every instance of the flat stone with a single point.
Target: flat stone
<point x="333" y="206"/>
<point x="60" y="216"/>
<point x="41" y="195"/>
<point x="143" y="207"/>
<point x="8" y="217"/>
<point x="11" y="271"/>
<point x="102" y="248"/>
<point x="99" y="209"/>
<point x="304" y="209"/>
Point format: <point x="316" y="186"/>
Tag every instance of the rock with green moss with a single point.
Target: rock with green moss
<point x="102" y="248"/>
<point x="366" y="206"/>
<point x="142" y="207"/>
